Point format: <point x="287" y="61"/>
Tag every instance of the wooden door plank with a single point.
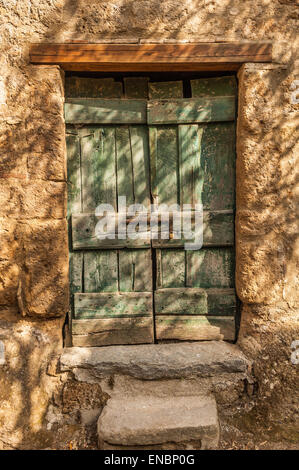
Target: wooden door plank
<point x="191" y="110"/>
<point x="91" y="87"/>
<point x="164" y="165"/>
<point x="104" y="111"/>
<point x="73" y="172"/>
<point x="125" y="183"/>
<point x="191" y="173"/>
<point x="136" y="87"/>
<point x="98" y="168"/>
<point x="100" y="271"/>
<point x="222" y="302"/>
<point x="140" y="160"/>
<point x="213" y="267"/>
<point x="170" y="268"/>
<point x="181" y="301"/>
<point x="76" y="272"/>
<point x="110" y="331"/>
<point x="135" y="270"/>
<point x="218" y="230"/>
<point x="195" y="328"/>
<point x="84" y="236"/>
<point x="218" y="163"/>
<point x="153" y="154"/>
<point x="195" y="301"/>
<point x="218" y="86"/>
<point x="165" y="90"/>
<point x="111" y="304"/>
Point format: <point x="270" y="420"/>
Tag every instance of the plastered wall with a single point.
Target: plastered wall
<point x="34" y="253"/>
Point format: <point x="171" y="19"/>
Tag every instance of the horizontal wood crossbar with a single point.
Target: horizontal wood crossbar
<point x="175" y="111"/>
<point x="218" y="230"/>
<point x="150" y="57"/>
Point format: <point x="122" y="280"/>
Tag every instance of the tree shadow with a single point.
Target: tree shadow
<point x="33" y="167"/>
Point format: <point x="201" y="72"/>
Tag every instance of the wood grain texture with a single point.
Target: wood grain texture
<point x="73" y="172"/>
<point x="164" y="162"/>
<point x="217" y="159"/>
<point x="112" y="304"/>
<point x="195" y="301"/>
<point x="104" y="111"/>
<point x="181" y="301"/>
<point x="135" y="270"/>
<point x="82" y="87"/>
<point x="191" y="171"/>
<point x="191" y="110"/>
<point x="210" y="267"/>
<point x="204" y="268"/>
<point x="147" y="57"/>
<point x="191" y="162"/>
<point x="218" y="230"/>
<point x="165" y="90"/>
<point x="100" y="271"/>
<point x="195" y="328"/>
<point x="218" y="86"/>
<point x="84" y="236"/>
<point x="111" y="331"/>
<point x="136" y="87"/>
<point x="98" y="168"/>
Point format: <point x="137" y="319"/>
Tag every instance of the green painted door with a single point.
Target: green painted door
<point x="144" y="140"/>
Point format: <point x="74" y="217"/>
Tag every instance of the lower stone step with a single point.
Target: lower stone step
<point x="159" y="423"/>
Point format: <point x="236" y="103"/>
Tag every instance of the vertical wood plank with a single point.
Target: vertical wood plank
<point x="135" y="271"/>
<point x="125" y="184"/>
<point x="218" y="163"/>
<point x="83" y="87"/>
<point x="126" y="271"/>
<point x="191" y="173"/>
<point x="76" y="272"/>
<point x="136" y="87"/>
<point x="140" y="160"/>
<point x="172" y="268"/>
<point x="212" y="267"/>
<point x="153" y="163"/>
<point x="100" y="271"/>
<point x="98" y="168"/>
<point x="142" y="260"/>
<point x="158" y="254"/>
<point x="218" y="86"/>
<point x="73" y="172"/>
<point x="164" y="164"/>
<point x="165" y="90"/>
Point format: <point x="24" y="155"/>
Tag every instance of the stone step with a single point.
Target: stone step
<point x="156" y="361"/>
<point x="159" y="423"/>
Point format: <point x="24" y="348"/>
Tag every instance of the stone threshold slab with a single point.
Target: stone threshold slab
<point x="158" y="361"/>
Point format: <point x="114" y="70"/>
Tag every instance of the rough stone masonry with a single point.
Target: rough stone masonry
<point x="40" y="406"/>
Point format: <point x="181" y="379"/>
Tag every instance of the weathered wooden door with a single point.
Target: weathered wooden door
<point x="151" y="145"/>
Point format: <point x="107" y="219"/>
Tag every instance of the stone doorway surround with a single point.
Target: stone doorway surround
<point x="265" y="224"/>
<point x="258" y="279"/>
<point x="265" y="256"/>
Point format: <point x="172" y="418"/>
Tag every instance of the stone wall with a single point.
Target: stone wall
<point x="33" y="260"/>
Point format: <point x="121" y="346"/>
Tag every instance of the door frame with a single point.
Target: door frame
<point x="177" y="56"/>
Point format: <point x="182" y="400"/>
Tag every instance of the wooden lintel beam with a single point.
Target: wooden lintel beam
<point x="150" y="57"/>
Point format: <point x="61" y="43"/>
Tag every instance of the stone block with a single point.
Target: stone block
<point x="32" y="199"/>
<point x="155" y="421"/>
<point x="44" y="278"/>
<point x="47" y="166"/>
